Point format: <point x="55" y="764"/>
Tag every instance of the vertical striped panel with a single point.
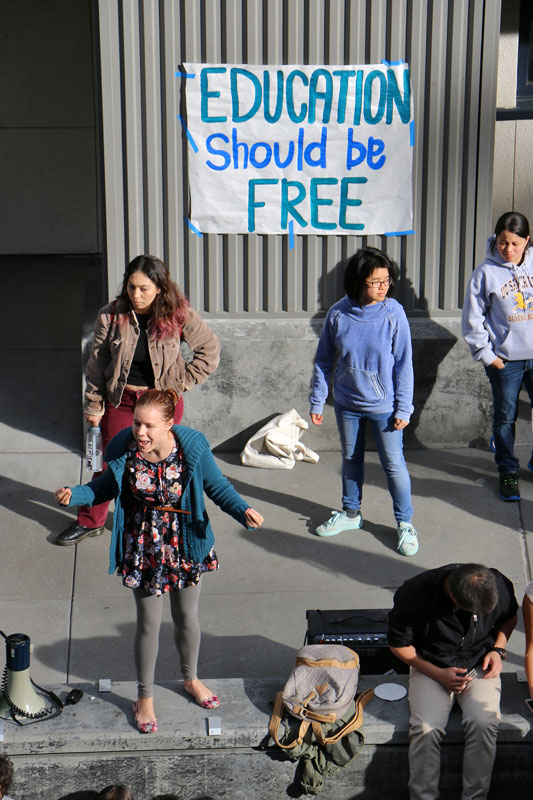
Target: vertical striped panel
<point x="134" y="139"/>
<point x="453" y="148"/>
<point x="411" y="265"/>
<point x="115" y="212"/>
<point x="451" y="47"/>
<point x="488" y="79"/>
<point x="154" y="111"/>
<point x="175" y="198"/>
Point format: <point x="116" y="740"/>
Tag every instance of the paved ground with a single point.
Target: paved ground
<point x="81" y="619"/>
<point x="253" y="610"/>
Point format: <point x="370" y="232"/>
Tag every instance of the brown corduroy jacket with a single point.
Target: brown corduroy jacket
<point x="115" y="337"/>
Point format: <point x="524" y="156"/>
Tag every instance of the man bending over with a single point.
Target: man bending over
<point x="451" y="626"/>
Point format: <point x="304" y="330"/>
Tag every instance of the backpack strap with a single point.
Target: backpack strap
<point x="353" y="724"/>
<point x="275" y="720"/>
<point x="302" y="711"/>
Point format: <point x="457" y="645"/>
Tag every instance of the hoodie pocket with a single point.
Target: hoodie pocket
<point x="361" y="384"/>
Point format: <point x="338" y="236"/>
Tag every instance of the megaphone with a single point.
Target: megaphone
<point x="18" y="697"/>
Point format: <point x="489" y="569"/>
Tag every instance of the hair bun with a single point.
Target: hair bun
<point x="174" y="395"/>
<point x="163" y="399"/>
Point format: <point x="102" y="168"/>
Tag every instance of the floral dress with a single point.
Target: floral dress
<point x="153" y="539"/>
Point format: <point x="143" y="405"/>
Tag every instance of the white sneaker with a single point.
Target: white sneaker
<point x="338" y="522"/>
<point x="407" y="539"/>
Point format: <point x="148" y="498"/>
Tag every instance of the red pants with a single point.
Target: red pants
<point x="113" y="421"/>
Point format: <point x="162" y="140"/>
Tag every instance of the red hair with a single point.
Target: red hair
<point x="164" y="400"/>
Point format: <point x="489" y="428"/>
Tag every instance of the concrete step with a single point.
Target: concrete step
<point x="94" y="743"/>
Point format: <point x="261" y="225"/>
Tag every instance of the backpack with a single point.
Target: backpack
<point x="317" y="716"/>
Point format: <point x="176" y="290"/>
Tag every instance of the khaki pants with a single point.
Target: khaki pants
<point x="430" y="705"/>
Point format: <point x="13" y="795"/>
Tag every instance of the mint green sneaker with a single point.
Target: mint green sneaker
<point x="407" y="539"/>
<point x="338" y="522"/>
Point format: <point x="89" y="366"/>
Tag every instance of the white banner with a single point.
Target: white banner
<point x="300" y="149"/>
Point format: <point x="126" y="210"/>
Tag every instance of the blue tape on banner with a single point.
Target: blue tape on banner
<point x="385" y="62"/>
<point x="193" y="228"/>
<point x="185" y="74"/>
<point x="187" y="133"/>
<point x="291" y="235"/>
<point x="412" y="133"/>
<point x="398" y="233"/>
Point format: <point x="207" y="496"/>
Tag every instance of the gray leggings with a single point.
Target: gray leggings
<point x="184" y="610"/>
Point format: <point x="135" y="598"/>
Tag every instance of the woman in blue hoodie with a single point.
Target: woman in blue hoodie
<point x="368" y="335"/>
<point x="498" y="328"/>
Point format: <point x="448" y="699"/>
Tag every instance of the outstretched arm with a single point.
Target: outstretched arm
<point x="253" y="518"/>
<point x="99" y="490"/>
<point x="63" y="496"/>
<point x="224" y="494"/>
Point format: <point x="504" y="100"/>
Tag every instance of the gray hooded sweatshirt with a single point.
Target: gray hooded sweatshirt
<point x="498" y="309"/>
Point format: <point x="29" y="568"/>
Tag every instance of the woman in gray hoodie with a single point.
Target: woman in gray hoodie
<point x="498" y="327"/>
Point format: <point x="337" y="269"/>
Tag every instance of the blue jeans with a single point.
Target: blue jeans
<point x="506" y="384"/>
<point x="389" y="442"/>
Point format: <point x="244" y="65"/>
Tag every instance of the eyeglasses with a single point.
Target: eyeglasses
<point x="378" y="284"/>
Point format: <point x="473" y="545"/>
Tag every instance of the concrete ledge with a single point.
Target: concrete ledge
<point x="266" y="368"/>
<point x="94" y="743"/>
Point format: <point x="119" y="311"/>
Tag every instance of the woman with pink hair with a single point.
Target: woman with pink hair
<point x="136" y="347"/>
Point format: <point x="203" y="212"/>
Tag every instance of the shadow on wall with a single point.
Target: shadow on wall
<point x="291" y="367"/>
<point x="431" y="344"/>
<point x="45" y="301"/>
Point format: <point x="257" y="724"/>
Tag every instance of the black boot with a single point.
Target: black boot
<point x="76" y="532"/>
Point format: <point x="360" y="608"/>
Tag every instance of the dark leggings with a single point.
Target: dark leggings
<point x="184" y="610"/>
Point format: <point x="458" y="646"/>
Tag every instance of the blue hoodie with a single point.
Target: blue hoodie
<point x="498" y="309"/>
<point x="374" y="372"/>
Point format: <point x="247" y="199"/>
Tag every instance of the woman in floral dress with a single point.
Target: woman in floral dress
<point x="162" y="541"/>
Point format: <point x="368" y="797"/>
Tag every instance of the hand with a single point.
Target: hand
<point x="93" y="421"/>
<point x="63" y="496"/>
<point x="498" y="363"/>
<point x="316" y="419"/>
<point x="454" y="679"/>
<point x="492" y="665"/>
<point x="400" y="424"/>
<point x="253" y="518"/>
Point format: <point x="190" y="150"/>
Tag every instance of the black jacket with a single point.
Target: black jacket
<point x="424" y="616"/>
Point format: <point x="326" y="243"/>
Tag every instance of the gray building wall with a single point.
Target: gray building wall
<point x="264" y="300"/>
<point x="48" y="166"/>
<point x="513" y="149"/>
<point x="451" y="48"/>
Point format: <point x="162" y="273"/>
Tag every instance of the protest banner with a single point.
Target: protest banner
<point x="300" y="149"/>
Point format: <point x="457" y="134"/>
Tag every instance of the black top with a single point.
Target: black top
<point x="425" y="616"/>
<point x="141" y="371"/>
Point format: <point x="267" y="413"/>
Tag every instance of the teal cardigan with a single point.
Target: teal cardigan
<point x="202" y="475"/>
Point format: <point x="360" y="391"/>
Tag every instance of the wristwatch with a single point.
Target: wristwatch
<point x="501" y="652"/>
